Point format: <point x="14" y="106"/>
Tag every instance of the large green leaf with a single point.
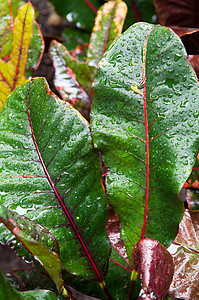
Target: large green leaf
<point x="51" y="174"/>
<point x="144" y="108"/>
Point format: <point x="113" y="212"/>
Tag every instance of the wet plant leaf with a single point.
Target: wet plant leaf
<point x="12" y="72"/>
<point x="51" y="174"/>
<point x="30" y="279"/>
<point x="5" y="29"/>
<point x="117" y="280"/>
<point x="8" y="292"/>
<point x="155" y="267"/>
<point x="185" y="251"/>
<point x="144" y="104"/>
<point x="73" y="78"/>
<point x="37" y="240"/>
<point x="25" y="45"/>
<point x="108" y="25"/>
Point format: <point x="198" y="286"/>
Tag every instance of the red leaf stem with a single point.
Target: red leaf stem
<point x="120" y="265"/>
<point x="137" y="15"/>
<point x="94" y="9"/>
<point x="147" y="137"/>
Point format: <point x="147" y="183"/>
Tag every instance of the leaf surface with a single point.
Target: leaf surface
<point x="108" y="25"/>
<point x="5" y="29"/>
<point x="155" y="266"/>
<point x="12" y="71"/>
<point x="185" y="251"/>
<point x="73" y="78"/>
<point x="51" y="173"/>
<point x="36" y="47"/>
<point x="145" y="99"/>
<point x="37" y="240"/>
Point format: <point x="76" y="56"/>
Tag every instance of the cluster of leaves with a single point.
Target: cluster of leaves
<point x="66" y="181"/>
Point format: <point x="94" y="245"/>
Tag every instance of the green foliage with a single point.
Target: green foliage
<point x="61" y="175"/>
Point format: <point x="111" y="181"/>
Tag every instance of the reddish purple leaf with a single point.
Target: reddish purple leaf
<point x="155" y="268"/>
<point x="185" y="251"/>
<point x="113" y="231"/>
<point x="182" y="13"/>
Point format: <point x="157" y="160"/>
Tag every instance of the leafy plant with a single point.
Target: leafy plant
<point x="66" y="183"/>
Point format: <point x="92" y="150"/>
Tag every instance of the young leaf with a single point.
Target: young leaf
<point x="108" y="25"/>
<point x="185" y="251"/>
<point x="145" y="99"/>
<point x="36" y="47"/>
<point x="12" y="72"/>
<point x="37" y="240"/>
<point x="155" y="266"/>
<point x="50" y="172"/>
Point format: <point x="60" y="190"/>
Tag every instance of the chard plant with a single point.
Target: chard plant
<point x="94" y="203"/>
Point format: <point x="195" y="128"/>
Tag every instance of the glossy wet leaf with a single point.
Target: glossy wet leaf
<point x="155" y="266"/>
<point x="38" y="295"/>
<point x="117" y="280"/>
<point x="36" y="47"/>
<point x="8" y="292"/>
<point x="181" y="13"/>
<point x="51" y="174"/>
<point x="185" y="253"/>
<point x="108" y="25"/>
<point x="145" y="99"/>
<point x="72" y="78"/>
<point x="37" y="240"/>
<point x="12" y="72"/>
<point x="30" y="279"/>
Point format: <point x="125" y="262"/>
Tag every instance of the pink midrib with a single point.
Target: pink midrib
<point x="59" y="197"/>
<point x="147" y="137"/>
